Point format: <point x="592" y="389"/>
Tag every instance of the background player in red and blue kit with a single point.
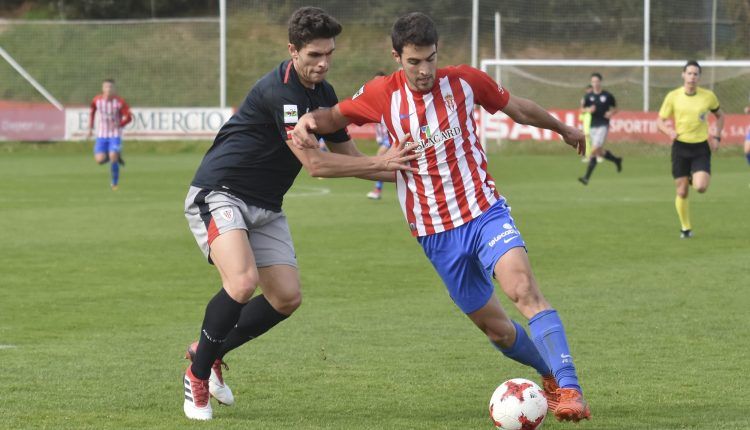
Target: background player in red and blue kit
<point x="113" y="115"/>
<point x="451" y="203"/>
<point x="384" y="143"/>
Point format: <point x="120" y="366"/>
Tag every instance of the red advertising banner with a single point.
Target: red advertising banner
<point x="31" y="121"/>
<point x="626" y="126"/>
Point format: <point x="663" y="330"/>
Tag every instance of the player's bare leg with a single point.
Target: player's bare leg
<point x="101" y="157"/>
<point x="281" y="286"/>
<point x="234" y="259"/>
<point x="682" y="188"/>
<point x="513" y="272"/>
<point x="510" y="338"/>
<point x="701" y="181"/>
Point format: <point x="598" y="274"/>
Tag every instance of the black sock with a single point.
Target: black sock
<point x="257" y="317"/>
<point x="221" y="315"/>
<point x="609" y="156"/>
<point x="590" y="168"/>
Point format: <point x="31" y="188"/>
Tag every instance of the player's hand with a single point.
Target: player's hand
<point x="89" y="134"/>
<point x="303" y="136"/>
<point x="672" y="135"/>
<point x="399" y="155"/>
<point x="575" y="138"/>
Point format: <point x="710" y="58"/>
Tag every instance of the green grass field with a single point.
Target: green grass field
<point x="101" y="291"/>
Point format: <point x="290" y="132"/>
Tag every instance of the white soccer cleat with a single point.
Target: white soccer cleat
<point x="197" y="405"/>
<point x="374" y="195"/>
<point x="216" y="385"/>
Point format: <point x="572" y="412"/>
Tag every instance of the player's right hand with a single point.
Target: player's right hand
<point x="302" y="135"/>
<point x="399" y="155"/>
<point x="575" y="138"/>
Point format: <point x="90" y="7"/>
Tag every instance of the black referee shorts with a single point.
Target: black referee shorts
<point x="688" y="158"/>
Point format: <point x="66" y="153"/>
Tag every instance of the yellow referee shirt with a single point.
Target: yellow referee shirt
<point x="690" y="113"/>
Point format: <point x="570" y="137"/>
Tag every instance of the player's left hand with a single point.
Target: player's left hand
<point x="575" y="138"/>
<point x="302" y="135"/>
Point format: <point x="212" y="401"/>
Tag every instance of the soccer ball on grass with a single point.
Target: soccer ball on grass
<point x="518" y="404"/>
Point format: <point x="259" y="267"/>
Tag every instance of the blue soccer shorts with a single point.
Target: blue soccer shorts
<point x="465" y="256"/>
<point x="108" y="144"/>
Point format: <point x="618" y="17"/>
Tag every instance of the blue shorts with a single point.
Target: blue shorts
<point x="108" y="144"/>
<point x="748" y="134"/>
<point x="465" y="256"/>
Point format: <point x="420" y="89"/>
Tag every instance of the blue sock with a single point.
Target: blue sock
<point x="747" y="156"/>
<point x="379" y="185"/>
<point x="549" y="337"/>
<point x="525" y="352"/>
<point x="115" y="168"/>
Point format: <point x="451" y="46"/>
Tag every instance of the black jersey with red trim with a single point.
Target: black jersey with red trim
<point x="249" y="157"/>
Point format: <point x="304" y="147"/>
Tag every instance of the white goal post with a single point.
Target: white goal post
<point x="646" y="65"/>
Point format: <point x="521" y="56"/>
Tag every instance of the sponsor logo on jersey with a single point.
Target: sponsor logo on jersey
<point x="359" y="92"/>
<point x="603" y="98"/>
<point x="290" y="114"/>
<point x="433" y="139"/>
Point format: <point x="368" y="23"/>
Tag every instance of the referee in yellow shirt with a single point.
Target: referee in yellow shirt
<point x="689" y="106"/>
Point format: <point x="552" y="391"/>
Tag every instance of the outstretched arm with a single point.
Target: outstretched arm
<point x="332" y="165"/>
<point x="350" y="148"/>
<point x="526" y="112"/>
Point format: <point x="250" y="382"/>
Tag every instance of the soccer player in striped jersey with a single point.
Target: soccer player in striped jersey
<point x="451" y="203"/>
<point x="384" y="143"/>
<point x="113" y="115"/>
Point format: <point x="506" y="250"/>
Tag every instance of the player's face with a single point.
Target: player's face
<point x="108" y="89"/>
<point x="596" y="84"/>
<point x="420" y="65"/>
<point x="313" y="60"/>
<point x="690" y="76"/>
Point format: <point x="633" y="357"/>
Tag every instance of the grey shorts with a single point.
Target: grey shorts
<point x="212" y="213"/>
<point x="598" y="136"/>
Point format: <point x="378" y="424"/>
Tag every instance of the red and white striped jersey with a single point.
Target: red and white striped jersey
<point x="452" y="186"/>
<point x="114" y="114"/>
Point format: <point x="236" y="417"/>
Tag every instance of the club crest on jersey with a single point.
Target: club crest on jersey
<point x="290" y="114"/>
<point x="450" y="102"/>
<point x="359" y="92"/>
<point x="227" y="214"/>
<point x="603" y="98"/>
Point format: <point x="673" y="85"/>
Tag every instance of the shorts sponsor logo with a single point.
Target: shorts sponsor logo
<point x="509" y="234"/>
<point x="227" y="214"/>
<point x="290" y="114"/>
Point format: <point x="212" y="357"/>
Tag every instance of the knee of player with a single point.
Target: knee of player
<point x="290" y="303"/>
<point x="502" y="334"/>
<point x="682" y="192"/>
<point x="701" y="189"/>
<point x="241" y="287"/>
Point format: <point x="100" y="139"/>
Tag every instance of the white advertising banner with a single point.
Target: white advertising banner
<point x="156" y="123"/>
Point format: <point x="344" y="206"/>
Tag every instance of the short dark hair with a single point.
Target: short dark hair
<point x="110" y="80"/>
<point x="380" y="73"/>
<point x="692" y="63"/>
<point x="310" y="23"/>
<point x="415" y="29"/>
<point x="597" y="75"/>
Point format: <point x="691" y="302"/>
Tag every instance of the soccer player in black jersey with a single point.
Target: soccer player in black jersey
<point x="234" y="202"/>
<point x="602" y="106"/>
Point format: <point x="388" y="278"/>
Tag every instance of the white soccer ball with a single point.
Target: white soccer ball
<point x="518" y="404"/>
